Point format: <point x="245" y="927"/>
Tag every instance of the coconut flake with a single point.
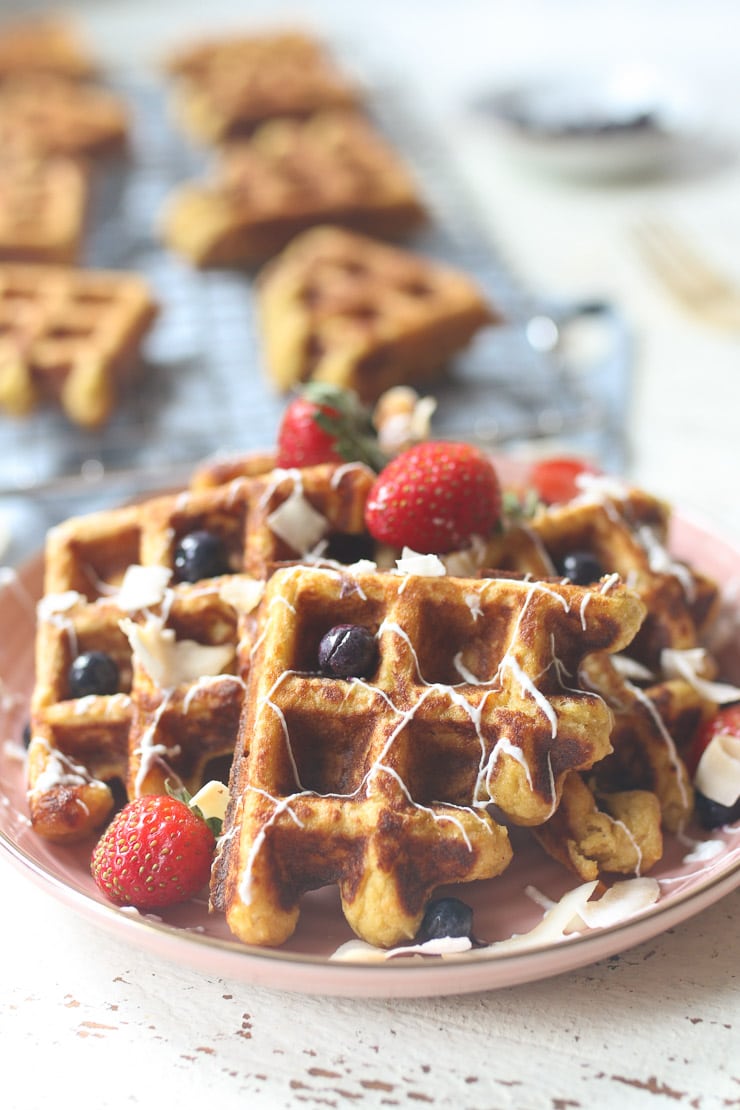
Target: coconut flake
<point x="142" y="587"/>
<point x="52" y="604"/>
<point x="212" y="800"/>
<point x="718" y="772"/>
<point x="621" y="902"/>
<point x="170" y="662"/>
<point x="689" y="664"/>
<point x="242" y="593"/>
<point x="426" y="566"/>
<point x="297" y="523"/>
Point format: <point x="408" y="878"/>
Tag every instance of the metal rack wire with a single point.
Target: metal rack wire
<point x="204" y="390"/>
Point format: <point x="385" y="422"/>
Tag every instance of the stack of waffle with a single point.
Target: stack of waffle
<point x="500" y="694"/>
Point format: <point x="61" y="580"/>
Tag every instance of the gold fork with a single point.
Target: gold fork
<point x="694" y="282"/>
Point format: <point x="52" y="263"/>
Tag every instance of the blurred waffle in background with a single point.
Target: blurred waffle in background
<point x="227" y="86"/>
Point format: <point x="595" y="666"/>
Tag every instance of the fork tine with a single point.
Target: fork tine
<point x="676" y="251"/>
<point x="686" y="274"/>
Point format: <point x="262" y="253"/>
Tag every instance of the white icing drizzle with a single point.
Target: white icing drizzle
<point x="60" y="770"/>
<point x="282" y="805"/>
<point x="660" y="562"/>
<point x="486" y="765"/>
<point x="149" y="752"/>
<point x="347" y="468"/>
<point x="206" y="681"/>
<point x="665" y="735"/>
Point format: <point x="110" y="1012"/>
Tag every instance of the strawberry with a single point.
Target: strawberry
<point x="434" y="498"/>
<point x="554" y="480"/>
<point x="157" y="851"/>
<point x="726" y="721"/>
<point x="327" y="424"/>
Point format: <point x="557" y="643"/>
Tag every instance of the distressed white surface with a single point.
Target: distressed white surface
<point x="656" y="1026"/>
<point x="92" y="1021"/>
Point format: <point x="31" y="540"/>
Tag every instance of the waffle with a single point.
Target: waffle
<point x="55" y="116"/>
<point x="652" y="726"/>
<point x="595" y="834"/>
<point x="44" y="45"/>
<point x="42" y="209"/>
<point x="381" y="784"/>
<point x="289" y="176"/>
<point x="626" y="530"/>
<point x="339" y="307"/>
<point x="228" y="86"/>
<point x="155" y="726"/>
<point x="69" y="337"/>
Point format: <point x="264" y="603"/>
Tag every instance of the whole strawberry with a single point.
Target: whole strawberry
<point x="326" y="424"/>
<point x="434" y="498"/>
<point x="157" y="851"/>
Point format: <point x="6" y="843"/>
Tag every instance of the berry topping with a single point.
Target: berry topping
<point x="26" y="734"/>
<point x="93" y="672"/>
<point x="157" y="851"/>
<point x="327" y="424"/>
<point x="434" y="498"/>
<point x="713" y="814"/>
<point x="348" y="651"/>
<point x="725" y="722"/>
<point x="556" y="480"/>
<point x="446" y="917"/>
<point x="581" y="567"/>
<point x="200" y="555"/>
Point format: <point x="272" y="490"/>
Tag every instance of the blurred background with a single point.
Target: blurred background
<point x="549" y="132"/>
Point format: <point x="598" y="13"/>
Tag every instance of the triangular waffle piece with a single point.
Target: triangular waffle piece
<point x="339" y="307"/>
<point x="380" y="783"/>
<point x="653" y="725"/>
<point x="603" y="834"/>
<point x="290" y="175"/>
<point x="228" y="86"/>
<point x="50" y="115"/>
<point x="44" y="45"/>
<point x="69" y="337"/>
<point x="42" y="209"/>
<point x="163" y="721"/>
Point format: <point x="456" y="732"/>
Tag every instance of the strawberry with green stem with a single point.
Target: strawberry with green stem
<point x="327" y="424"/>
<point x="434" y="498"/>
<point x="157" y="851"/>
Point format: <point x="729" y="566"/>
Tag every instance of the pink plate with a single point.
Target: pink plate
<point x="192" y="936"/>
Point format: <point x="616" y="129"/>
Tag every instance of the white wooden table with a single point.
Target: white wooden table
<point x="95" y="1022"/>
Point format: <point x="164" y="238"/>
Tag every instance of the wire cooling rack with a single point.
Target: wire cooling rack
<point x="204" y="388"/>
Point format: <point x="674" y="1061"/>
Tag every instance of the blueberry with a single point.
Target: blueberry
<point x="200" y="555"/>
<point x="93" y="672"/>
<point x="348" y="650"/>
<point x="446" y="917"/>
<point x="26" y="734"/>
<point x="712" y="814"/>
<point x="581" y="567"/>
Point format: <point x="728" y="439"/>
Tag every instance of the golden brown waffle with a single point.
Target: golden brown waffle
<point x="595" y="835"/>
<point x="228" y="86"/>
<point x="380" y="784"/>
<point x="44" y="45"/>
<point x="652" y="726"/>
<point x="626" y="531"/>
<point x="69" y="337"/>
<point x="340" y="307"/>
<point x="42" y="209"/>
<point x="165" y="720"/>
<point x="290" y="175"/>
<point x="53" y="116"/>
